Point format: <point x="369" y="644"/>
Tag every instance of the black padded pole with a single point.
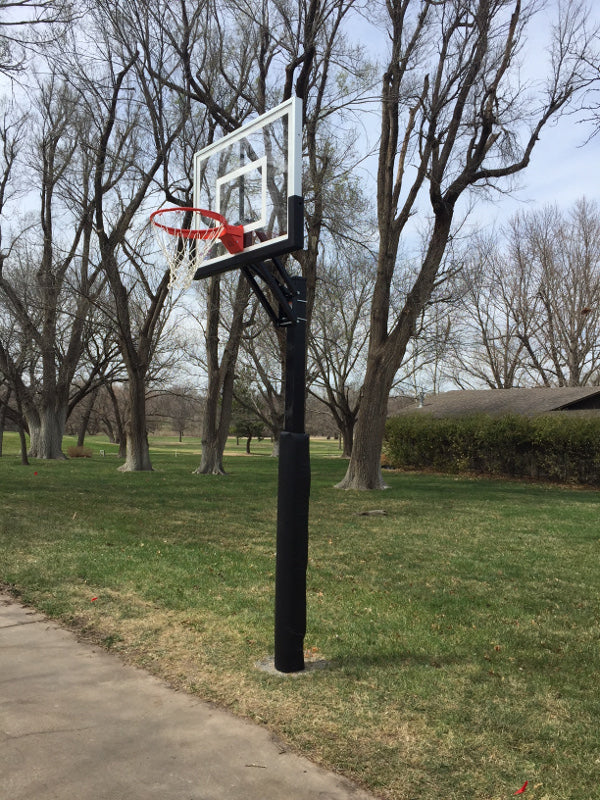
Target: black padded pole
<point x="293" y="500"/>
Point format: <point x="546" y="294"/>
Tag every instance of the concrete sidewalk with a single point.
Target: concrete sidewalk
<point x="77" y="724"/>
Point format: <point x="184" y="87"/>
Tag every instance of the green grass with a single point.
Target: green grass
<point x="462" y="629"/>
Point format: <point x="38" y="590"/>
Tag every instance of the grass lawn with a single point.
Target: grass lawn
<point x="462" y="629"/>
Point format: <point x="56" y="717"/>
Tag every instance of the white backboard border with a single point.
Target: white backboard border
<point x="293" y="239"/>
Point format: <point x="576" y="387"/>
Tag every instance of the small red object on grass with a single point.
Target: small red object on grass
<point x="522" y="789"/>
<point x="35" y="473"/>
<point x="93" y="598"/>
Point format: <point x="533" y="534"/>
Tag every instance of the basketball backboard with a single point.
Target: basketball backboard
<point x="253" y="177"/>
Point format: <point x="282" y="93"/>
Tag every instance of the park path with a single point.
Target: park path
<point x="76" y="723"/>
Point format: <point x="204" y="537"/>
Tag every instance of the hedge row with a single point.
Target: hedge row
<point x="554" y="447"/>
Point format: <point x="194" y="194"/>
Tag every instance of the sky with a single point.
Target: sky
<point x="565" y="166"/>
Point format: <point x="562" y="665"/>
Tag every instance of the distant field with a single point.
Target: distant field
<point x="461" y="630"/>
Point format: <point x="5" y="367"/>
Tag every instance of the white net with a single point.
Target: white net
<point x="186" y="239"/>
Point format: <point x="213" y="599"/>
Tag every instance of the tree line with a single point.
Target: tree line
<point x="107" y="104"/>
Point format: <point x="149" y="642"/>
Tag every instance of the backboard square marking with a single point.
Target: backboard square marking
<point x="239" y="176"/>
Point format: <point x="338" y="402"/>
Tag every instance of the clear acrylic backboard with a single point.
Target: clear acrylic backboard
<point x="253" y="177"/>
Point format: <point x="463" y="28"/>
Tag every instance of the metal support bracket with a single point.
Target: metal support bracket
<point x="275" y="278"/>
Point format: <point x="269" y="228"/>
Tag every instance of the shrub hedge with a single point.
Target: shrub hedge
<point x="556" y="447"/>
<point x="79" y="452"/>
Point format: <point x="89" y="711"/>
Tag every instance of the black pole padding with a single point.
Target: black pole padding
<point x="293" y="498"/>
<point x="292" y="551"/>
<point x="295" y="362"/>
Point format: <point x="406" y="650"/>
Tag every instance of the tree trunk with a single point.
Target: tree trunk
<point x="3" y="408"/>
<point x="211" y="461"/>
<point x="23" y="442"/>
<point x="138" y="451"/>
<point x="215" y="427"/>
<point x="275" y="448"/>
<point x="86" y="418"/>
<point x="46" y="430"/>
<point x="213" y="447"/>
<point x="386" y="352"/>
<point x="22" y="439"/>
<point x="347" y="437"/>
<point x="217" y="415"/>
<point x="107" y="427"/>
<point x="364" y="469"/>
<point x="120" y="437"/>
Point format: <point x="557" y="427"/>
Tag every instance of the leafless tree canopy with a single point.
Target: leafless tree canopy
<point x="103" y="127"/>
<point x="455" y="117"/>
<point x="531" y="306"/>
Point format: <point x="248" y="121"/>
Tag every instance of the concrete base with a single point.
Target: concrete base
<point x="268" y="665"/>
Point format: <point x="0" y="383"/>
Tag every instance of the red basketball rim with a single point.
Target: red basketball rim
<point x="190" y="233"/>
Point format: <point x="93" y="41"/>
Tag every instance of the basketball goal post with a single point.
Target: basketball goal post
<point x="248" y="214"/>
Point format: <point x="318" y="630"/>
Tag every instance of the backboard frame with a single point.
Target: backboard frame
<point x="261" y="248"/>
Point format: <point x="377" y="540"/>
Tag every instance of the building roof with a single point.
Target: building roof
<point x="503" y="401"/>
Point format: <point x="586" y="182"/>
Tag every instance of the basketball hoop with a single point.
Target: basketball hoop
<point x="186" y="237"/>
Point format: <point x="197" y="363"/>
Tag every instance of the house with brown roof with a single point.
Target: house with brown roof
<point x="498" y="402"/>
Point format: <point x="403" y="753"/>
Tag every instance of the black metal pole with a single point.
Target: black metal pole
<point x="292" y="500"/>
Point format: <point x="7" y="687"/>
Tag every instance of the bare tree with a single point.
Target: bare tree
<point x="110" y="409"/>
<point x="182" y="406"/>
<point x="16" y="361"/>
<point x="136" y="120"/>
<point x="534" y="308"/>
<point x="47" y="274"/>
<point x="261" y="364"/>
<point x="263" y="53"/>
<point x="188" y="64"/>
<point x="220" y="363"/>
<point x="487" y="349"/>
<point x="26" y="26"/>
<point x="564" y="267"/>
<point x="454" y="117"/>
<point x="339" y="335"/>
